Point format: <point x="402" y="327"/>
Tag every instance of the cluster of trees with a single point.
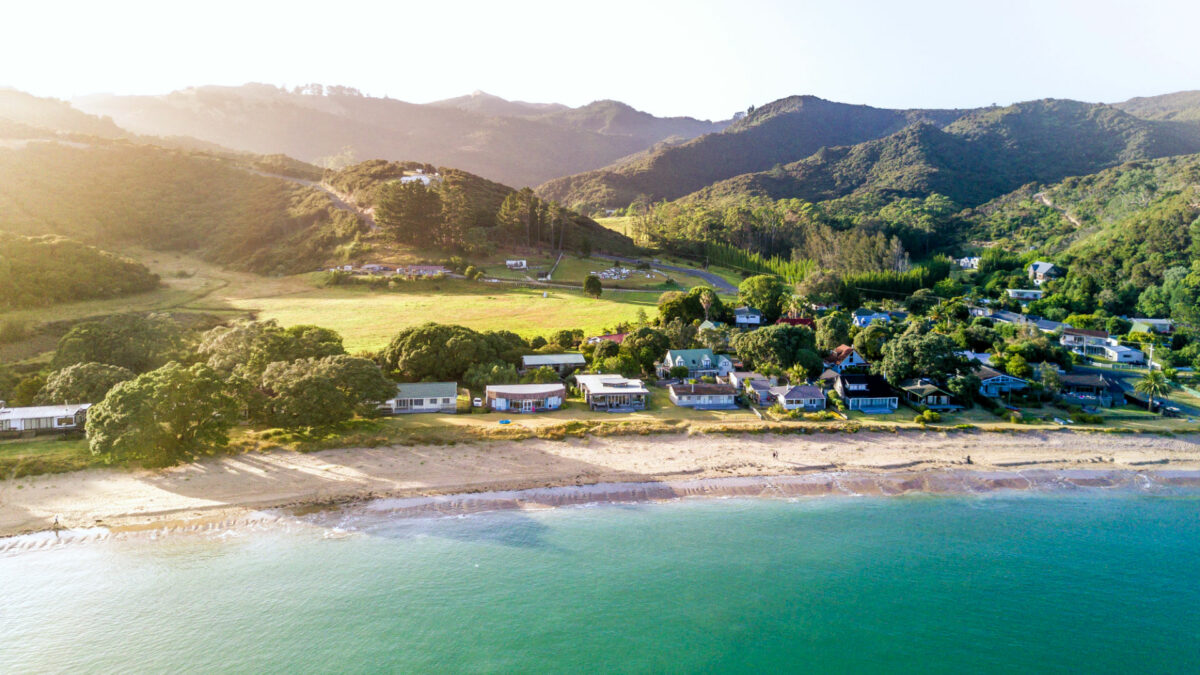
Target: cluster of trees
<point x="40" y="271"/>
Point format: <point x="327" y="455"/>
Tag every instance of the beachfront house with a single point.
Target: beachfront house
<point x="703" y="396"/>
<point x="804" y="397"/>
<point x="1025" y="294"/>
<point x="612" y="393"/>
<point x="738" y="378"/>
<point x="759" y="392"/>
<point x="747" y="317"/>
<point x="563" y="364"/>
<point x="422" y="397"/>
<point x="1041" y="272"/>
<point x="994" y="383"/>
<point x="1098" y="343"/>
<point x="866" y="393"/>
<point x="699" y="362"/>
<point x="42" y="419"/>
<point x="525" y="398"/>
<point x="1092" y="389"/>
<point x="923" y="392"/>
<point x="845" y="358"/>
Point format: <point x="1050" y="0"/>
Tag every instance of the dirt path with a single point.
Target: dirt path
<point x="1044" y="199"/>
<point x="341" y="201"/>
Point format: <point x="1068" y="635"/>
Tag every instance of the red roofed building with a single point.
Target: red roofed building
<point x="612" y="337"/>
<point x="845" y="358"/>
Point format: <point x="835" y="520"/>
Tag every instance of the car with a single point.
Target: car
<point x="478" y="403"/>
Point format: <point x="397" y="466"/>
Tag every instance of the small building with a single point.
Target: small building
<point x="703" y="396"/>
<point x="866" y="393"/>
<point x="828" y="377"/>
<point x="968" y="263"/>
<point x="804" y="397"/>
<point x="563" y="364"/>
<point x="43" y="418"/>
<point x="516" y="264"/>
<point x="422" y="397"/>
<point x="1160" y="326"/>
<point x="1025" y="294"/>
<point x="525" y="397"/>
<point x="994" y="383"/>
<point x="611" y="337"/>
<point x="699" y="362"/>
<point x="845" y="358"/>
<point x="1092" y="389"/>
<point x="1115" y="351"/>
<point x="747" y="317"/>
<point x="1041" y="272"/>
<point x="612" y="393"/>
<point x="759" y="392"/>
<point x="738" y="378"/>
<point x="923" y="392"/>
<point x="1084" y="341"/>
<point x="709" y="325"/>
<point x="863" y="317"/>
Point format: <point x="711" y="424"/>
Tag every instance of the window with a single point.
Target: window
<point x="65" y="422"/>
<point x="446" y="401"/>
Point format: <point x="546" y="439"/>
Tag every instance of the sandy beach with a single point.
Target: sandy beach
<point x="228" y="487"/>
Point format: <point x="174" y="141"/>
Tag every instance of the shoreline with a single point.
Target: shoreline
<point x="232" y="488"/>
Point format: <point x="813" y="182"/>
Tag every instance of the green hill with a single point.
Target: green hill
<point x="1182" y="106"/>
<point x="40" y="271"/>
<point x="783" y="131"/>
<point x="975" y="158"/>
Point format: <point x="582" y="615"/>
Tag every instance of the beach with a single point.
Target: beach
<point x="226" y="488"/>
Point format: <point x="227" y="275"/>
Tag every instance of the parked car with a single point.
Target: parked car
<point x="478" y="403"/>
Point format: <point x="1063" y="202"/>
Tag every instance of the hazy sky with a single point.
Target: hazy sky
<point x="700" y="58"/>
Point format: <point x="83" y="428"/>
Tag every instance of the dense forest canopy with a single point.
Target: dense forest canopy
<point x="40" y="271"/>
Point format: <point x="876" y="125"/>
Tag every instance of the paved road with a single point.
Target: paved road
<point x="716" y="280"/>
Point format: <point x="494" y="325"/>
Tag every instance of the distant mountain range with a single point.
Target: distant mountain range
<point x="815" y="149"/>
<point x="511" y="142"/>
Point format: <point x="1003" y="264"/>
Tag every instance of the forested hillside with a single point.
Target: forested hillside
<point x="1182" y="106"/>
<point x="114" y="193"/>
<point x="974" y="159"/>
<point x="54" y="115"/>
<point x="341" y="126"/>
<point x="783" y="131"/>
<point x="39" y="271"/>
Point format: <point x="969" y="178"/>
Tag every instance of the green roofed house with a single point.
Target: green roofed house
<point x="699" y="362"/>
<point x="423" y="397"/>
<point x="564" y="364"/>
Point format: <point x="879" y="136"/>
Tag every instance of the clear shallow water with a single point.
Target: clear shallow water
<point x="1002" y="583"/>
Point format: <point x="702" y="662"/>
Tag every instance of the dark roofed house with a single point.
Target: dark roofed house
<point x="866" y="393"/>
<point x="1041" y="272"/>
<point x="1092" y="389"/>
<point x="703" y="396"/>
<point x="747" y="317"/>
<point x="804" y="397"/>
<point x="994" y="383"/>
<point x="924" y="393"/>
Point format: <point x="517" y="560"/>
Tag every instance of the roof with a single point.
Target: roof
<point x="611" y="384"/>
<point x="877" y="387"/>
<point x="922" y="387"/>
<point x="427" y="390"/>
<point x="1084" y="332"/>
<point x="759" y="385"/>
<point x="842" y="353"/>
<point x="611" y="337"/>
<point x="803" y="391"/>
<point x="710" y="325"/>
<point x="747" y="311"/>
<point x="38" y="411"/>
<point x="553" y="360"/>
<point x="863" y="311"/>
<point x="691" y="357"/>
<point x="525" y="391"/>
<point x="1042" y="267"/>
<point x="703" y="389"/>
<point x="987" y="373"/>
<point x="828" y="375"/>
<point x="747" y="375"/>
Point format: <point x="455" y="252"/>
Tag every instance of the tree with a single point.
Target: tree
<point x="833" y="330"/>
<point x="679" y="372"/>
<point x="1153" y="384"/>
<point x="1051" y="380"/>
<point x="542" y="375"/>
<point x="964" y="387"/>
<point x="26" y="390"/>
<point x="645" y="346"/>
<point x="322" y="392"/>
<point x="563" y="339"/>
<point x="592" y="287"/>
<point x="870" y="340"/>
<point x="442" y="353"/>
<point x="778" y="345"/>
<point x="931" y="355"/>
<point x="1018" y="366"/>
<point x="605" y="349"/>
<point x="480" y="375"/>
<point x="410" y="212"/>
<point x="138" y="343"/>
<point x="245" y="349"/>
<point x="766" y="293"/>
<point x="820" y="288"/>
<point x="681" y="335"/>
<point x="82" y="383"/>
<point x="707" y="298"/>
<point x="162" y="417"/>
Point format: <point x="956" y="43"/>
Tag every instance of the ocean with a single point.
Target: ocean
<point x="1089" y="581"/>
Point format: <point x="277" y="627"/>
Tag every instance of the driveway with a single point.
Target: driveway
<point x="718" y="282"/>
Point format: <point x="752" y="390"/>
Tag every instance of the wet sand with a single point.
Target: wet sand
<point x="622" y="468"/>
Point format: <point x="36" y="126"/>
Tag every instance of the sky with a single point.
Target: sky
<point x="700" y="58"/>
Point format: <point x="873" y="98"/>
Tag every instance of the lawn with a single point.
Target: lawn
<point x="48" y="454"/>
<point x="573" y="270"/>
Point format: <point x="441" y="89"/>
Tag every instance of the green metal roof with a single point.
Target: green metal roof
<point x="427" y="390"/>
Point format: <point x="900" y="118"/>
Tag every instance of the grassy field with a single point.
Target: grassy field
<point x="620" y="225"/>
<point x="48" y="454"/>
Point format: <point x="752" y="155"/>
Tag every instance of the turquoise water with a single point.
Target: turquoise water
<point x="1002" y="583"/>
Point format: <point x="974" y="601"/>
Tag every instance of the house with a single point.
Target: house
<point x="738" y="378"/>
<point x="866" y="393"/>
<point x="1115" y="351"/>
<point x="422" y="397"/>
<point x="1084" y="341"/>
<point x="759" y="392"/>
<point x="1041" y="272"/>
<point x="1092" y="389"/>
<point x="804" y="397"/>
<point x="422" y="270"/>
<point x="709" y="325"/>
<point x="699" y="362"/>
<point x="612" y="392"/>
<point x="1025" y="294"/>
<point x="563" y="364"/>
<point x="611" y="337"/>
<point x="525" y="397"/>
<point x="747" y="317"/>
<point x="796" y="321"/>
<point x="923" y="392"/>
<point x="863" y="317"/>
<point x="516" y="264"/>
<point x="827" y="378"/>
<point x="43" y="419"/>
<point x="994" y="383"/>
<point x="845" y="358"/>
<point x="1005" y="316"/>
<point x="968" y="263"/>
<point x="703" y="396"/>
<point x="1160" y="326"/>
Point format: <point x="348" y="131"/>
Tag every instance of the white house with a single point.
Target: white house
<point x="703" y="396"/>
<point x="612" y="392"/>
<point x="563" y="363"/>
<point x="525" y="397"/>
<point x="422" y="397"/>
<point x="747" y="317"/>
<point x="969" y="262"/>
<point x="1115" y="351"/>
<point x="516" y="264"/>
<point x="43" y="418"/>
<point x="802" y="397"/>
<point x="699" y="362"/>
<point x="1025" y="294"/>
